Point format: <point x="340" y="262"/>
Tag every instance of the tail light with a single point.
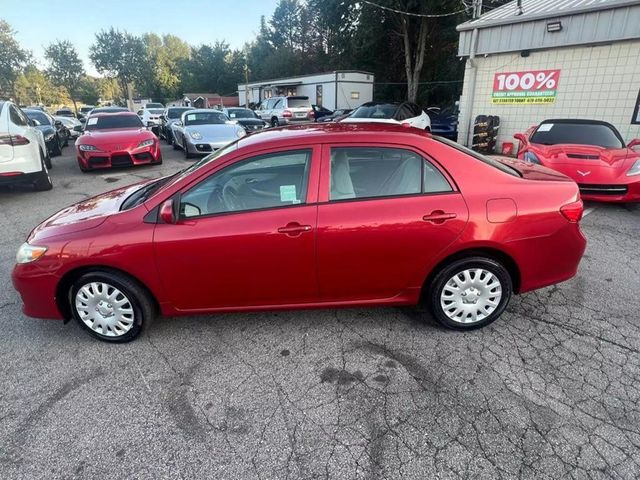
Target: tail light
<point x="13" y="140"/>
<point x="572" y="211"/>
<point x="311" y="114"/>
<point x="287" y="114"/>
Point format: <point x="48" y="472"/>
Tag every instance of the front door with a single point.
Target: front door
<point x="389" y="213"/>
<point x="245" y="237"/>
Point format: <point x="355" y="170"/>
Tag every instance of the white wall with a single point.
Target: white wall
<point x="599" y="83"/>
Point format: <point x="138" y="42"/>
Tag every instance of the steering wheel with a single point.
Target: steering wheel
<point x="231" y="198"/>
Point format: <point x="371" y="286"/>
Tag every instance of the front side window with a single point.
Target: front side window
<point x="369" y="172"/>
<point x="267" y="181"/>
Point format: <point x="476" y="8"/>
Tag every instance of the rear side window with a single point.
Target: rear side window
<point x="364" y="172"/>
<point x="580" y="133"/>
<point x="16" y="118"/>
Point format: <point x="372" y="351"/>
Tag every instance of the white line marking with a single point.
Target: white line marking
<point x="587" y="211"/>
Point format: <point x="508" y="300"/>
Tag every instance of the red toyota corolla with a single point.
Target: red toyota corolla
<point x="323" y="215"/>
<point x="590" y="152"/>
<point x="116" y="140"/>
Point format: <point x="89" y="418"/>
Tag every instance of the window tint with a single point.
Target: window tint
<point x="41" y="117"/>
<point x="416" y="111"/>
<point x="375" y="110"/>
<point x="16" y="118"/>
<point x="267" y="181"/>
<point x="362" y="172"/>
<point x="597" y="134"/>
<point x="113" y="121"/>
<point x="277" y="103"/>
<point x="404" y="112"/>
<point x="176" y="112"/>
<point x="299" y="102"/>
<point x="205" y="118"/>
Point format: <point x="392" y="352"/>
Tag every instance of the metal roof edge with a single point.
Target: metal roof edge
<point x="333" y="72"/>
<point x="478" y="22"/>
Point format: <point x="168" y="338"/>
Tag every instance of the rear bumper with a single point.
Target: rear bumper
<point x="101" y="160"/>
<point x="18" y="178"/>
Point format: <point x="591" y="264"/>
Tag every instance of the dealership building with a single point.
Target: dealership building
<point x="532" y="60"/>
<point x="332" y="90"/>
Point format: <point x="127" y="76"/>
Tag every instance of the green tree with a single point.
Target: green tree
<point x="88" y="90"/>
<point x="34" y="87"/>
<point x="65" y="68"/>
<point x="118" y="54"/>
<point x="12" y="59"/>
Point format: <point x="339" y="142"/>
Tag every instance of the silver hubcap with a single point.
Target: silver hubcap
<point x="104" y="309"/>
<point x="471" y="295"/>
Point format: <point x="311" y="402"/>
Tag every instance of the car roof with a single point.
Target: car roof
<point x="373" y="104"/>
<point x="313" y="133"/>
<point x="580" y="121"/>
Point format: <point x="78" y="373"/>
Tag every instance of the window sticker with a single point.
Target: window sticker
<point x="288" y="193"/>
<point x="233" y="115"/>
<point x="92" y="121"/>
<point x="545" y="127"/>
<point x="191" y="117"/>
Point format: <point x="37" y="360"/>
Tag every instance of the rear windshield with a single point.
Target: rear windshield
<point x="596" y="134"/>
<point x="86" y="109"/>
<point x="176" y="112"/>
<point x="110" y="110"/>
<point x="298" y="102"/>
<point x="488" y="160"/>
<point x="39" y="116"/>
<point x="113" y="121"/>
<point x="383" y="110"/>
<point x="154" y="105"/>
<point x="155" y="111"/>
<point x="205" y="118"/>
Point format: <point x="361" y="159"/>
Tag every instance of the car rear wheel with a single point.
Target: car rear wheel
<point x="110" y="306"/>
<point x="57" y="146"/>
<point x="275" y="122"/>
<point x="470" y="293"/>
<point x="43" y="181"/>
<point x="185" y="149"/>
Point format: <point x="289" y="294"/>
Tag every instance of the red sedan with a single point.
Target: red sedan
<point x="590" y="152"/>
<point x="324" y="215"/>
<point x="116" y="140"/>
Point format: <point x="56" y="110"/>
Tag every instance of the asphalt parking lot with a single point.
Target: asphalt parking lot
<point x="550" y="390"/>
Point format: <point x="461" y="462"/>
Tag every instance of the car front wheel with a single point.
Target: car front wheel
<point x="470" y="293"/>
<point x="110" y="306"/>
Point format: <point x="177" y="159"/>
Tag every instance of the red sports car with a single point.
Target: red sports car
<point x="590" y="152"/>
<point x="321" y="215"/>
<point x="116" y="140"/>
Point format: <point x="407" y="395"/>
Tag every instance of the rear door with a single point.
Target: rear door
<point x="385" y="212"/>
<point x="6" y="149"/>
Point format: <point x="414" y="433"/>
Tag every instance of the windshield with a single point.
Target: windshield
<point x="113" y="121"/>
<point x="597" y="134"/>
<point x="302" y="102"/>
<point x="241" y="113"/>
<point x="176" y="112"/>
<point x="154" y="105"/>
<point x="86" y="109"/>
<point x="110" y="110"/>
<point x="382" y="110"/>
<point x="140" y="196"/>
<point x="205" y="118"/>
<point x="484" y="159"/>
<point x="39" y="116"/>
<point x="204" y="161"/>
<point x="155" y="111"/>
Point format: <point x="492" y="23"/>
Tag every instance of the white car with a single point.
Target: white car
<point x="389" y="112"/>
<point x="150" y="116"/>
<point x="23" y="153"/>
<point x="202" y="131"/>
<point x="71" y="123"/>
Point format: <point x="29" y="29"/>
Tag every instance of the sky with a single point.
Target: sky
<point x="40" y="22"/>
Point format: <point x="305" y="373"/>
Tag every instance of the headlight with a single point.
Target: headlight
<point x="531" y="157"/>
<point x="196" y="135"/>
<point x="146" y="143"/>
<point x="635" y="169"/>
<point x="88" y="148"/>
<point x="241" y="132"/>
<point x="29" y="253"/>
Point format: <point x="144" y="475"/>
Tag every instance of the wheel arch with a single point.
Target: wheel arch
<point x="489" y="252"/>
<point x="64" y="286"/>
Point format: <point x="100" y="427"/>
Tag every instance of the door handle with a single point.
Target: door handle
<point x="294" y="229"/>
<point x="438" y="217"/>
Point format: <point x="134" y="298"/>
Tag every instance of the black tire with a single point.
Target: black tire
<point x="275" y="122"/>
<point x="174" y="143"/>
<point x="168" y="138"/>
<point x="43" y="181"/>
<point x="47" y="161"/>
<point x="185" y="149"/>
<point x="136" y="296"/>
<point x="447" y="273"/>
<point x="57" y="149"/>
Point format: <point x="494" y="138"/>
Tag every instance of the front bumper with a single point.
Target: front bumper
<point x="202" y="147"/>
<point x="613" y="193"/>
<point x="37" y="288"/>
<point x="125" y="158"/>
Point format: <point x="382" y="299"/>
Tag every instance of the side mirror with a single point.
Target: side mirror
<point x="634" y="143"/>
<point x="521" y="138"/>
<point x="35" y="123"/>
<point x="167" y="212"/>
<point x="83" y="120"/>
<point x="178" y="123"/>
<point x="57" y="123"/>
<point x="78" y="128"/>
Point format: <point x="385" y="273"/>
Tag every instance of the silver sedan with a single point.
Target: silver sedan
<point x="202" y="131"/>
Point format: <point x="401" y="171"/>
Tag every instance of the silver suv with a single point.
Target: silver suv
<point x="285" y="110"/>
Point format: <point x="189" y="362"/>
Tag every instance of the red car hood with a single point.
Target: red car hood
<point x="587" y="163"/>
<point x="84" y="215"/>
<point x="115" y="139"/>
